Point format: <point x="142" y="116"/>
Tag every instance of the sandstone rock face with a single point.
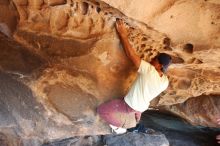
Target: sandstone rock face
<point x="69" y="60"/>
<point x="23" y="115"/>
<point x="8" y="18"/>
<point x="183" y="21"/>
<point x="85" y="61"/>
<point x="196" y="70"/>
<point x="201" y="110"/>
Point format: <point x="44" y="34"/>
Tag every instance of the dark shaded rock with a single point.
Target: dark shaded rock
<point x="77" y="141"/>
<point x="136" y="139"/>
<point x="201" y="110"/>
<point x="178" y="132"/>
<point x="20" y="113"/>
<point x="64" y="142"/>
<point x="188" y="48"/>
<point x="3" y="140"/>
<point x="8" y="18"/>
<point x="9" y="138"/>
<point x="51" y="47"/>
<point x="16" y="58"/>
<point x="16" y="99"/>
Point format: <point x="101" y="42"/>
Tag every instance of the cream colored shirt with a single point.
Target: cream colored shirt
<point x="147" y="86"/>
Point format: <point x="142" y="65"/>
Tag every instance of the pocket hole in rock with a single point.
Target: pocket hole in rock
<point x="85" y="8"/>
<point x="188" y="48"/>
<point x="98" y="9"/>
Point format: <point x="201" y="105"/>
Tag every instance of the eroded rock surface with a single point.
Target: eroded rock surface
<point x="8" y="17"/>
<point x="196" y="69"/>
<point x="183" y="21"/>
<point x="70" y="60"/>
<point x="137" y="139"/>
<point x="200" y="110"/>
<point x="178" y="131"/>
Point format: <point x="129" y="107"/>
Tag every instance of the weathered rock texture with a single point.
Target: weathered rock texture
<point x="183" y="21"/>
<point x="8" y="17"/>
<point x="137" y="139"/>
<point x="196" y="72"/>
<point x="128" y="139"/>
<point x="178" y="131"/>
<point x="201" y="110"/>
<point x="70" y="60"/>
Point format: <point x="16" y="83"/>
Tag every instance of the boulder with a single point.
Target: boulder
<point x="65" y="59"/>
<point x="137" y="139"/>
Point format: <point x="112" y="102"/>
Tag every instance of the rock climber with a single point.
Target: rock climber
<point x="125" y="113"/>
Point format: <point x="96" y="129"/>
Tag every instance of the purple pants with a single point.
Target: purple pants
<point x="117" y="113"/>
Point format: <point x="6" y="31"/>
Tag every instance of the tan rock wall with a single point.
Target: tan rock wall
<point x="92" y="46"/>
<point x="84" y="63"/>
<point x="183" y="21"/>
<point x="196" y="72"/>
<point x="8" y="17"/>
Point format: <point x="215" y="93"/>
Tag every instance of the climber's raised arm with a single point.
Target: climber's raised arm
<point x="123" y="34"/>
